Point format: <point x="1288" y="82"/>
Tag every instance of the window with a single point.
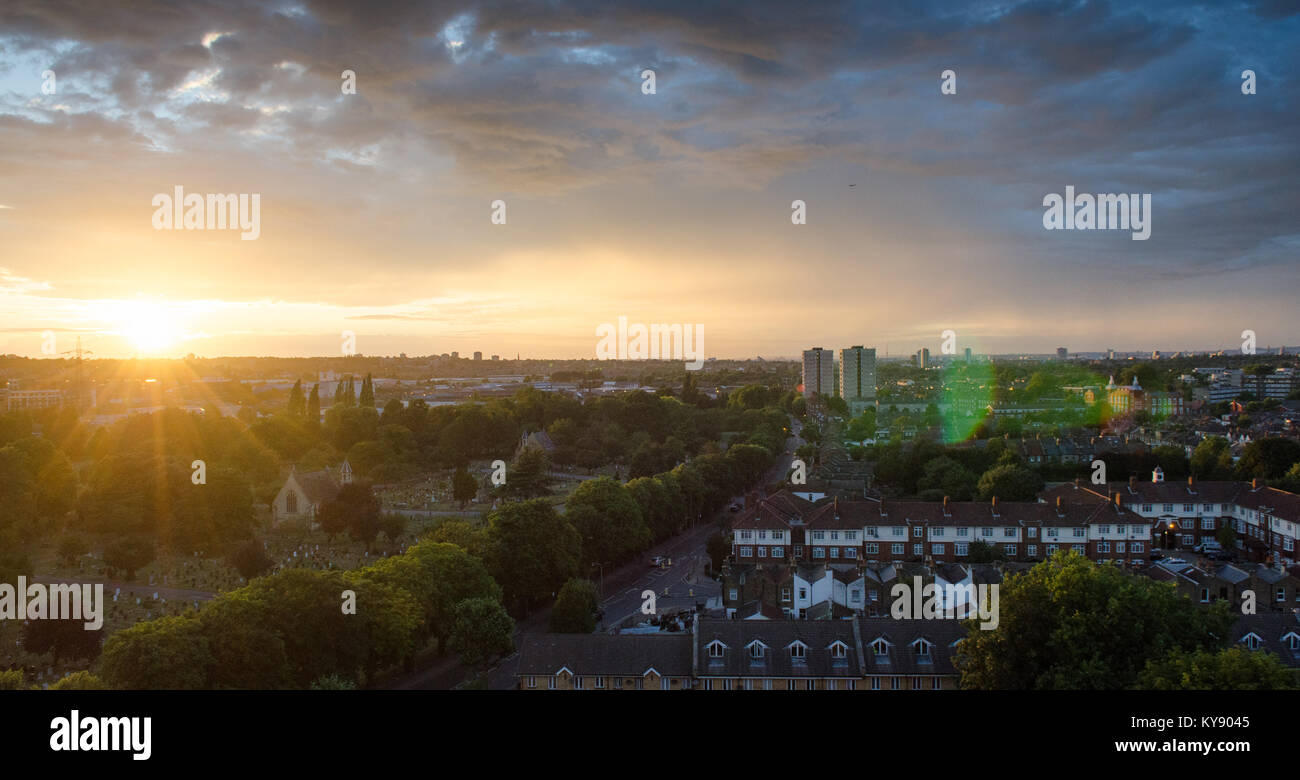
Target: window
<point x="819" y="536"/>
<point x="850" y="536"/>
<point x="875" y="683"/>
<point x="600" y="682"/>
<point x="1281" y="595"/>
<point x="1009" y="549"/>
<point x="935" y="683"/>
<point x="1205" y="595"/>
<point x="917" y="531"/>
<point x="1136" y="547"/>
<point x="778" y="552"/>
<point x="1008" y="533"/>
<point x="1031" y="532"/>
<point x="291" y="503"/>
<point x="746" y="534"/>
<point x="798" y="550"/>
<point x="716" y="648"/>
<point x="762" y="534"/>
<point x="762" y="552"/>
<point x="1078" y="533"/>
<point x="851" y="552"/>
<point x="918" y="549"/>
<point x="551" y="683"/>
<point x="1188" y="508"/>
<point x="577" y="683"/>
<point x="1146" y="508"/>
<point x="1103" y="547"/>
<point x="835" y="536"/>
<point x="962" y="548"/>
<point x="1121" y="529"/>
<point x="835" y="552"/>
<point x="1188" y="540"/>
<point x="898" y="530"/>
<point x="798" y="651"/>
<point x="895" y="549"/>
<point x="532" y="682"/>
<point x="803" y="594"/>
<point x="1207" y="523"/>
<point x="734" y="594"/>
<point x="1052" y="548"/>
<point x="937" y="549"/>
<point x="895" y="683"/>
<point x="746" y="552"/>
<point x="839" y="651"/>
<point x="916" y="683"/>
<point x="819" y="552"/>
<point x="986" y="532"/>
<point x="785" y="593"/>
<point x="778" y="536"/>
<point x="1168" y="509"/>
<point x="1031" y="550"/>
<point x="880" y="647"/>
<point x="936" y="532"/>
<point x="963" y="532"/>
<point x="1207" y="507"/>
<point x="1293" y="641"/>
<point x="756" y="652"/>
<point x="873" y="548"/>
<point x="1119" y="547"/>
<point x="1081" y="549"/>
<point x="1103" y="529"/>
<point x="922" y="648"/>
<point x="1052" y="532"/>
<point x="855" y="595"/>
<point x="1252" y="641"/>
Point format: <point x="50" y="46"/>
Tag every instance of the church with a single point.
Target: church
<point x="304" y="493"/>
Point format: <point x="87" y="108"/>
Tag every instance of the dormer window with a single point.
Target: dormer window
<point x="798" y="651"/>
<point x="716" y="648"/>
<point x="880" y="647"/>
<point x="1252" y="641"/>
<point x="839" y="650"/>
<point x="922" y="647"/>
<point x="756" y="651"/>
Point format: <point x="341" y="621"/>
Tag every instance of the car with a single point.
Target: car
<point x="661" y="562"/>
<point x="1208" y="547"/>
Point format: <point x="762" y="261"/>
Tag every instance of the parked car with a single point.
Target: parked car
<point x="661" y="562"/>
<point x="1208" y="547"/>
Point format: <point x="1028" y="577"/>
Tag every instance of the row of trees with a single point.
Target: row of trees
<point x="293" y="628"/>
<point x="532" y="549"/>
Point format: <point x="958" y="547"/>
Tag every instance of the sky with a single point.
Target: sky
<point x="924" y="210"/>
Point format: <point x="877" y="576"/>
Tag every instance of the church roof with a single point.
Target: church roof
<point x="320" y="486"/>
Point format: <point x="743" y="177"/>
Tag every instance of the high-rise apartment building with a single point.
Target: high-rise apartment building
<point x="818" y="372"/>
<point x="858" y="377"/>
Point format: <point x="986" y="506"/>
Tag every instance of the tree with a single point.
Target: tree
<point x="250" y="560"/>
<point x="531" y="550"/>
<point x="1212" y="459"/>
<point x="356" y="508"/>
<point x="1268" y="458"/>
<point x="609" y="521"/>
<point x="983" y="552"/>
<point x="454" y="575"/>
<point x="313" y="405"/>
<point x="948" y="478"/>
<point x="1058" y="628"/>
<point x="1230" y="669"/>
<point x="63" y="638"/>
<point x="1227" y="536"/>
<point x="463" y="487"/>
<point x="129" y="554"/>
<point x="527" y="476"/>
<point x="80" y="681"/>
<point x="480" y="630"/>
<point x="575" y="608"/>
<point x="169" y="653"/>
<point x="367" y="393"/>
<point x="1010" y="483"/>
<point x="297" y="406"/>
<point x="71" y="547"/>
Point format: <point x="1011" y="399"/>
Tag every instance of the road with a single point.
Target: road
<point x="686" y="581"/>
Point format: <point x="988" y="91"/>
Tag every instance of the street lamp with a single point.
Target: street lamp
<point x="601" y="567"/>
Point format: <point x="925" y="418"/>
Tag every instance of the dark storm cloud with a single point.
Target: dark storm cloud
<point x="541" y="98"/>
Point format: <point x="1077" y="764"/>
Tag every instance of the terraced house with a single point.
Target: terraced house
<point x="861" y="654"/>
<point x="793" y="557"/>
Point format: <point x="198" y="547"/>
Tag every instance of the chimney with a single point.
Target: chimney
<point x="1058" y="505"/>
<point x="1132" y="483"/>
<point x="995" y="503"/>
<point x="945" y="505"/>
<point x="1191" y="481"/>
<point x="1118" y="499"/>
<point x="1077" y="482"/>
<point x="1254" y="484"/>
